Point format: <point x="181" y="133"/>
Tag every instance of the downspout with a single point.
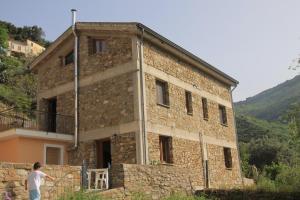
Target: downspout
<point x="144" y="136"/>
<point x="75" y="77"/>
<point x="236" y="136"/>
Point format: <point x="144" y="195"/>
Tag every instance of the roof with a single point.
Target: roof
<point x="137" y="26"/>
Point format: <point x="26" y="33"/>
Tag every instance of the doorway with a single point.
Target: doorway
<point x="51" y="115"/>
<point x="103" y="154"/>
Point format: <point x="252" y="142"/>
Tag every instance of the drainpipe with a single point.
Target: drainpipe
<point x="75" y="77"/>
<point x="236" y="136"/>
<point x="144" y="134"/>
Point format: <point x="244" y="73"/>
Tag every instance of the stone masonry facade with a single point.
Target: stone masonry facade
<point x="13" y="176"/>
<point x="118" y="102"/>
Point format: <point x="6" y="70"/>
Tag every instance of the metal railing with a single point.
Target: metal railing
<point x="37" y="120"/>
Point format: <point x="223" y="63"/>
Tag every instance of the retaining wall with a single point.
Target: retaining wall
<point x="13" y="176"/>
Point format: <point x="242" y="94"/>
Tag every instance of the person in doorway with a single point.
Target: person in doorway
<point x="33" y="182"/>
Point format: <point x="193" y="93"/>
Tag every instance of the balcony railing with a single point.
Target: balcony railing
<point x="37" y="120"/>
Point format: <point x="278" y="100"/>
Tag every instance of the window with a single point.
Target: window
<point x="222" y="114"/>
<point x="69" y="58"/>
<point x="162" y="93"/>
<point x="53" y="154"/>
<point x="205" y="108"/>
<point x="227" y="157"/>
<point x="188" y="102"/>
<point x="97" y="46"/>
<point x="19" y="48"/>
<point x="165" y="145"/>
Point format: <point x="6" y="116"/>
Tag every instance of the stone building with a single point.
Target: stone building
<point x="142" y="100"/>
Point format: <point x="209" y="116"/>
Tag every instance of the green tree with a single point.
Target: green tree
<point x="3" y="39"/>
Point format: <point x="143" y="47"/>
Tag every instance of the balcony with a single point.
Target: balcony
<point x="37" y="120"/>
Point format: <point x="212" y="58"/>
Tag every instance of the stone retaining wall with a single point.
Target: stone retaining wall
<point x="13" y="176"/>
<point x="156" y="181"/>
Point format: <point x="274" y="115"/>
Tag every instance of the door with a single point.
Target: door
<point x="103" y="153"/>
<point x="51" y="122"/>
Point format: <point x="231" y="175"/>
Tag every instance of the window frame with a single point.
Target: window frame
<point x="61" y="147"/>
<point x="223" y="115"/>
<point x="227" y="157"/>
<point x="189" y="102"/>
<point x="205" y="108"/>
<point x="92" y="46"/>
<point x="65" y="58"/>
<point x="166" y="155"/>
<point x="165" y="93"/>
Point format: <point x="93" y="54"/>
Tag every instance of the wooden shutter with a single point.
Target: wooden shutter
<point x="204" y="107"/>
<point x="227" y="157"/>
<point x="53" y="156"/>
<point x="189" y="104"/>
<point x="91" y="48"/>
<point x="159" y="92"/>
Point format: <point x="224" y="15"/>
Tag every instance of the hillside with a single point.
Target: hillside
<point x="17" y="82"/>
<point x="271" y="104"/>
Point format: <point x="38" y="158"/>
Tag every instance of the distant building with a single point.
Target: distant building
<point x="27" y="48"/>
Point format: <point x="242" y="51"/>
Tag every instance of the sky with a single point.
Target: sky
<point x="254" y="41"/>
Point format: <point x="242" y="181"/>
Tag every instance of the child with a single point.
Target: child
<point x="34" y="182"/>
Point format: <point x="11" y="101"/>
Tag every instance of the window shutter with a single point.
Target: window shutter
<point x="159" y="93"/>
<point x="90" y="46"/>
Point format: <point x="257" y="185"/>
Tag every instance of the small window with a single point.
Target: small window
<point x="162" y="93"/>
<point x="31" y="44"/>
<point x="227" y="157"/>
<point x="189" y="102"/>
<point x="97" y="46"/>
<point x="165" y="144"/>
<point x="53" y="155"/>
<point x="69" y="58"/>
<point x="19" y="48"/>
<point x="222" y="114"/>
<point x="205" y="108"/>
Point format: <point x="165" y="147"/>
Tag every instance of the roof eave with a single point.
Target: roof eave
<point x="233" y="82"/>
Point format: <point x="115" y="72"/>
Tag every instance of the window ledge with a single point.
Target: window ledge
<point x="190" y="113"/>
<point x="163" y="105"/>
<point x="206" y="119"/>
<point x="70" y="64"/>
<point x="226" y="125"/>
<point x="228" y="168"/>
<point x="167" y="164"/>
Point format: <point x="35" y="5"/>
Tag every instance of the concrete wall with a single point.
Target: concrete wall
<point x="13" y="176"/>
<point x="24" y="150"/>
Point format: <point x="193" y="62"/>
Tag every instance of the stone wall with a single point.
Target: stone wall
<point x="156" y="181"/>
<point x="118" y="51"/>
<point x="85" y="151"/>
<point x="176" y="114"/>
<point x="106" y="103"/>
<point x="185" y="154"/>
<point x="166" y="62"/>
<point x="123" y="148"/>
<point x="219" y="175"/>
<point x="168" y="120"/>
<point x="52" y="73"/>
<point x="13" y="176"/>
